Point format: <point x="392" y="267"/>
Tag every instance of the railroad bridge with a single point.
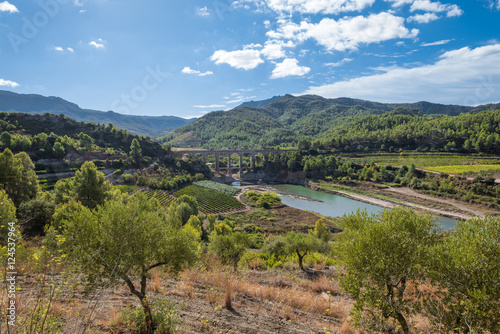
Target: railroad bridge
<point x="218" y="153"/>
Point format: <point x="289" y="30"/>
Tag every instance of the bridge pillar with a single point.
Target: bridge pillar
<point x="241" y="163"/>
<point x="252" y="162"/>
<point x="205" y="158"/>
<point x="217" y="168"/>
<point x="229" y="165"/>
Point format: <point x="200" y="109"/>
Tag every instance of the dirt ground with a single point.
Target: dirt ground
<point x="276" y="301"/>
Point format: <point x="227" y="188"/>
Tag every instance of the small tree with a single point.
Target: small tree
<point x="229" y="247"/>
<point x="465" y="268"/>
<point x="300" y="244"/>
<point x="135" y="149"/>
<point x="124" y="237"/>
<point x="17" y="176"/>
<point x="88" y="186"/>
<point x="381" y="256"/>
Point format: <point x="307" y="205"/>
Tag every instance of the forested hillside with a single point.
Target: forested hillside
<point x="284" y="121"/>
<point x="23" y="132"/>
<point x="400" y="129"/>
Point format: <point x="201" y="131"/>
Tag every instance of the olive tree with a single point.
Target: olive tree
<point x="302" y="245"/>
<point x="382" y="255"/>
<point x="7" y="215"/>
<point x="465" y="268"/>
<point x="124" y="239"/>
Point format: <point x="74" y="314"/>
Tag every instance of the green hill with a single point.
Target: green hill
<point x="284" y="121"/>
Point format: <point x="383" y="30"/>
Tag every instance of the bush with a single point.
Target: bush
<point x="253" y="261"/>
<point x="164" y="316"/>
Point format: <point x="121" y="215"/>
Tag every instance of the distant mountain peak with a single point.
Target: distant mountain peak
<point x="260" y="104"/>
<point x="153" y="126"/>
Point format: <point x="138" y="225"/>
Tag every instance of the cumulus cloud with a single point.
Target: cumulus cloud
<point x="289" y="67"/>
<point x="423" y="18"/>
<point x="188" y="70"/>
<point x="8" y="83"/>
<point x="347" y="33"/>
<point x="242" y="59"/>
<point x="464" y="76"/>
<point x="99" y="44"/>
<point x="309" y="6"/>
<point x="8" y="7"/>
<point x="70" y="49"/>
<point x="58" y="48"/>
<point x="436" y="7"/>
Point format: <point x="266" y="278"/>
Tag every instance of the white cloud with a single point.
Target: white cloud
<point x="202" y="11"/>
<point x="399" y="3"/>
<point x="339" y="63"/>
<point x="464" y="76"/>
<point x="78" y="3"/>
<point x="211" y="106"/>
<point x="273" y="50"/>
<point x="423" y="18"/>
<point x="241" y="59"/>
<point x="436" y="7"/>
<point x="8" y="83"/>
<point x="188" y="70"/>
<point x="82" y="11"/>
<point x="8" y="7"/>
<point x="70" y="49"/>
<point x="346" y="33"/>
<point x="444" y="41"/>
<point x="58" y="48"/>
<point x="309" y="6"/>
<point x="98" y="45"/>
<point x="289" y="67"/>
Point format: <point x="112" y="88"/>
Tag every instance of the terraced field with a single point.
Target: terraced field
<point x="211" y="201"/>
<point x="162" y="197"/>
<point x="223" y="188"/>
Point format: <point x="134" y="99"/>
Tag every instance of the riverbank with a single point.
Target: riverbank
<point x="390" y="197"/>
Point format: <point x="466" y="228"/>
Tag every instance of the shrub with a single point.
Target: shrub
<point x="164" y="312"/>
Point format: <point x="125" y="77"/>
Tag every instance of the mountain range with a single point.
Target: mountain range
<point x="284" y="120"/>
<point x="153" y="126"/>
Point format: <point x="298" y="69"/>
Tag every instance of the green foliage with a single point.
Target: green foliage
<point x="36" y="214"/>
<point x="225" y="189"/>
<point x="276" y="246"/>
<point x="301" y="245"/>
<point x="265" y="200"/>
<point x="383" y="255"/>
<point x="17" y="176"/>
<point x="88" y="186"/>
<point x="321" y="232"/>
<point x="229" y="247"/>
<point x="468" y="131"/>
<point x="465" y="268"/>
<point x="164" y="314"/>
<point x="127" y="235"/>
<point x="135" y="149"/>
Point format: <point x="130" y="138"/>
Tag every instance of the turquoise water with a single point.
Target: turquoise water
<point x="331" y="205"/>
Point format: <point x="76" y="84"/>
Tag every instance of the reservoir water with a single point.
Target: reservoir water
<point x="331" y="205"/>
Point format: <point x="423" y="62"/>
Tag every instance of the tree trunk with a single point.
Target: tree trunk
<point x="148" y="315"/>
<point x="301" y="257"/>
<point x="403" y="323"/>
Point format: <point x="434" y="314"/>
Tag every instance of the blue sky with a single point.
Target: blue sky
<point x="186" y="58"/>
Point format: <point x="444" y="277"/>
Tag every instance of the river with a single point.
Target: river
<point x="331" y="205"/>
